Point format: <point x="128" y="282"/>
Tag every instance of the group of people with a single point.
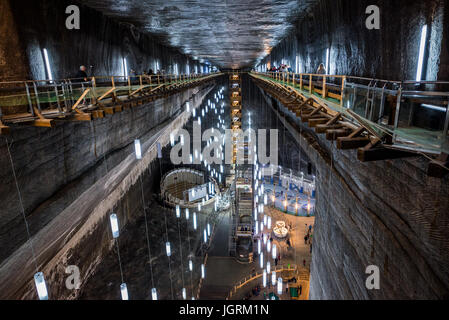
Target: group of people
<point x="83" y="76"/>
<point x="286" y="68"/>
<point x="308" y="237"/>
<point x="282" y="68"/>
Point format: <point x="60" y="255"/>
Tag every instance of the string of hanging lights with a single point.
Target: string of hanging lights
<point x="39" y="278"/>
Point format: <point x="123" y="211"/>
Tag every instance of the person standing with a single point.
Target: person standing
<point x="81" y="74"/>
<point x="300" y="289"/>
<point x="321" y="69"/>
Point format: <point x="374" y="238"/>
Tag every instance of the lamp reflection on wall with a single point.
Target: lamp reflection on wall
<point x="124" y="291"/>
<point x="41" y="287"/>
<point x="279" y="285"/>
<point x="264" y="278"/>
<point x="47" y="65"/>
<point x="194" y="221"/>
<point x="125" y="68"/>
<point x="168" y="249"/>
<point x="114" y="225"/>
<point x="154" y="294"/>
<point x="422" y="48"/>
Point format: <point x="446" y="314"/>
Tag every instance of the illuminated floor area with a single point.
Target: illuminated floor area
<point x="224" y="272"/>
<point x="297" y="201"/>
<point x="296" y="255"/>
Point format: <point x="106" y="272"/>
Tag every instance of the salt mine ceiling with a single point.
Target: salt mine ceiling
<point x="227" y="33"/>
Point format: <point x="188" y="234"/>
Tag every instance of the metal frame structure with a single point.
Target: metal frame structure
<point x="41" y="102"/>
<point x="327" y="104"/>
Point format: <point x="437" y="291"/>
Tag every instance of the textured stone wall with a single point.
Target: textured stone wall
<point x="12" y="59"/>
<point x="101" y="42"/>
<point x="389" y="53"/>
<point x="384" y="213"/>
<point x="290" y="153"/>
<point x="141" y="273"/>
<point x="77" y="232"/>
<point x="54" y="166"/>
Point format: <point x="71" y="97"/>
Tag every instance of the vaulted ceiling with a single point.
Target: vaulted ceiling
<point x="227" y="33"/>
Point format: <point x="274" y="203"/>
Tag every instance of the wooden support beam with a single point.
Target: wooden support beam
<point x="317" y="110"/>
<point x="137" y="91"/>
<point x="46" y="123"/>
<point x="82" y="117"/>
<point x="307" y="117"/>
<point x="4" y="129"/>
<point x="118" y="108"/>
<point x="108" y="110"/>
<point x="357" y="132"/>
<point x="77" y="103"/>
<point x="439" y="168"/>
<point x="97" y="114"/>
<point x="314" y="122"/>
<point x="333" y="134"/>
<point x="323" y="128"/>
<point x="106" y="94"/>
<point x="346" y="143"/>
<point x="334" y="119"/>
<point x="381" y="153"/>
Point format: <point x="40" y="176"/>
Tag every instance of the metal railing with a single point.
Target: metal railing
<point x="32" y="97"/>
<point x="413" y="115"/>
<point x="259" y="274"/>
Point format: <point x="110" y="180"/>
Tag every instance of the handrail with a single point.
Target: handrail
<point x="257" y="275"/>
<point x="182" y="76"/>
<point x="19" y="100"/>
<point x="392" y="112"/>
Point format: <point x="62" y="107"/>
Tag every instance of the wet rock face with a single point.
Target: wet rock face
<point x="55" y="166"/>
<point x="290" y="153"/>
<point x="389" y="214"/>
<point x="12" y="59"/>
<point x="389" y="53"/>
<point x="101" y="43"/>
<point x="229" y="34"/>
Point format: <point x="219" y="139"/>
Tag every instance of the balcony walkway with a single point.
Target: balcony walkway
<point x="351" y="120"/>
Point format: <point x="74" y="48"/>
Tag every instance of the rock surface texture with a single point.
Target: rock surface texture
<point x="386" y="213"/>
<point x="71" y="178"/>
<point x="230" y="34"/>
<point x="390" y="53"/>
<point x="101" y="42"/>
